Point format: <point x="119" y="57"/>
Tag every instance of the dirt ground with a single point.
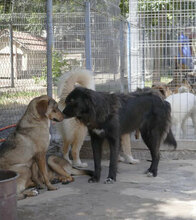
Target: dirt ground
<point x="170" y="196"/>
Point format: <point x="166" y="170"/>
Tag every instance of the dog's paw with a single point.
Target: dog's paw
<point x="121" y="159"/>
<point x="51" y="187"/>
<point x="79" y="165"/>
<point x="40" y="186"/>
<point x="34" y="192"/>
<point x="150" y="173"/>
<point x="130" y="159"/>
<point x="67" y="180"/>
<point x="93" y="180"/>
<point x="30" y="192"/>
<point x="109" y="181"/>
<point x="55" y="181"/>
<point x="133" y="161"/>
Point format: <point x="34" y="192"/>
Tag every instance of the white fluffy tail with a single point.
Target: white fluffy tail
<point x="69" y="79"/>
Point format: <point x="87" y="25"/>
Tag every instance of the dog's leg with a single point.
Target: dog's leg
<point x="21" y="184"/>
<point x="41" y="163"/>
<point x="27" y="193"/>
<point x="137" y="134"/>
<point x="66" y="149"/>
<point x="76" y="146"/>
<point x="59" y="170"/>
<point x="183" y="125"/>
<point x="96" y="143"/>
<point x="126" y="147"/>
<point x="35" y="176"/>
<point x="193" y="117"/>
<point x="76" y="155"/>
<point x="152" y="140"/>
<point x="178" y="130"/>
<point x="24" y="182"/>
<point x="114" y="151"/>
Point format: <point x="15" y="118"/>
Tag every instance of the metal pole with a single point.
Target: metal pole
<point x="11" y="57"/>
<point x="49" y="47"/>
<point x="122" y="58"/>
<point x="129" y="56"/>
<point x="88" y="36"/>
<point x="143" y="59"/>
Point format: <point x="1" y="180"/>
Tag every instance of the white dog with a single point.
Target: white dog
<point x="183" y="106"/>
<point x="71" y="130"/>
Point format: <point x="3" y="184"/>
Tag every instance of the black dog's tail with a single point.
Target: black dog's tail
<point x="170" y="139"/>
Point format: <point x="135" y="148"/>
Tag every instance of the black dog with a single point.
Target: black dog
<point x="110" y="115"/>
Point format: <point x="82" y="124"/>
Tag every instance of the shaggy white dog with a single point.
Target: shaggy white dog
<point x="71" y="130"/>
<point x="183" y="106"/>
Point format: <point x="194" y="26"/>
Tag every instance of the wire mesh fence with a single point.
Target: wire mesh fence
<point x="163" y="36"/>
<point x="22" y="59"/>
<point x="125" y="54"/>
<point x="23" y="50"/>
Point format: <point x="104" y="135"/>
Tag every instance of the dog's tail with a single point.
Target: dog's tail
<point x="77" y="171"/>
<point x="170" y="140"/>
<point x="70" y="79"/>
<point x="169" y="137"/>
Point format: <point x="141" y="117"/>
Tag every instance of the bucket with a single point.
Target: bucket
<point x="8" y="200"/>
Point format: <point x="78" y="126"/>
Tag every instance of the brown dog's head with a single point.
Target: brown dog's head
<point x="162" y="88"/>
<point x="47" y="107"/>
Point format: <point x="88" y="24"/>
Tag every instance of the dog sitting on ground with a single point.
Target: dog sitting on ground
<point x="29" y="143"/>
<point x="108" y="116"/>
<point x="72" y="131"/>
<point x="183" y="106"/>
<point x="59" y="170"/>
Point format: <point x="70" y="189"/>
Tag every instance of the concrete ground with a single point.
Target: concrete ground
<point x="171" y="195"/>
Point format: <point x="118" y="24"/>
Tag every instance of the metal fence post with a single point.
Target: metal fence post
<point x="122" y="57"/>
<point x="11" y="56"/>
<point x="129" y="56"/>
<point x="49" y="47"/>
<point x="88" y="36"/>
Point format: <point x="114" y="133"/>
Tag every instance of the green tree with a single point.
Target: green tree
<point x="159" y="15"/>
<point x="150" y="9"/>
<point x="59" y="65"/>
<point x="124" y="7"/>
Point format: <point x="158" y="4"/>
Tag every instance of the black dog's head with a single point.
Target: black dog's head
<point x="80" y="104"/>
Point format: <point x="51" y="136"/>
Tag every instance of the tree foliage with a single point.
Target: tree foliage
<point x="169" y="11"/>
<point x="124" y="7"/>
<point x="59" y="64"/>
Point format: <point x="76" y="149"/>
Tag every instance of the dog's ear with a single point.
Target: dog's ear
<point x="162" y="91"/>
<point x="42" y="108"/>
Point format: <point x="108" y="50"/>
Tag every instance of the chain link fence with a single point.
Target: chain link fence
<point x="125" y="54"/>
<point x="163" y="48"/>
<point x="23" y="69"/>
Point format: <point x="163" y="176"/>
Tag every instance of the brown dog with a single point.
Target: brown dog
<point x="163" y="88"/>
<point x="29" y="143"/>
<point x="59" y="170"/>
